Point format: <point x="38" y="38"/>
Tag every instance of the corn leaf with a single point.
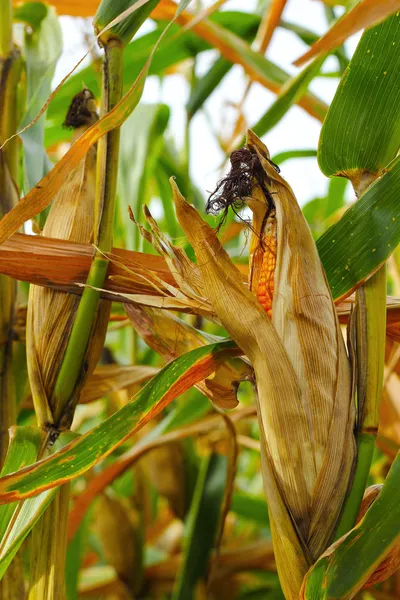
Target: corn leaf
<point x="38" y="259"/>
<point x="291" y="92"/>
<point x="364" y="548"/>
<point x="362" y="130"/>
<point x="180" y="417"/>
<point x="42" y="48"/>
<point x="170" y="337"/>
<point x="42" y="194"/>
<point x="174" y="49"/>
<point x="250" y="507"/>
<point x="257" y="67"/>
<point x="140" y="141"/>
<point x="110" y="10"/>
<point x="206" y="85"/>
<point x="365" y="14"/>
<point x="22" y="451"/>
<point x="90" y="448"/>
<point x="24" y="515"/>
<point x="365" y="236"/>
<point x="110" y="378"/>
<point x="202" y="524"/>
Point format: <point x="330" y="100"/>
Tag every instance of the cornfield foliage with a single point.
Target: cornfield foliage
<point x="200" y="394"/>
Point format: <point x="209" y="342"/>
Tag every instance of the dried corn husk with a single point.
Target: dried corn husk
<point x="171" y="337"/>
<point x="51" y="313"/>
<point x="305" y="403"/>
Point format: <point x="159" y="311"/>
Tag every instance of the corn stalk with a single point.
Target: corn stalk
<point x="11" y="585"/>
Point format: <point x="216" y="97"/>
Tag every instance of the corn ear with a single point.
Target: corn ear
<point x="305" y="404"/>
<point x="51" y="313"/>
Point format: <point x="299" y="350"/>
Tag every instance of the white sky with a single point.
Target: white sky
<point x="297" y="129"/>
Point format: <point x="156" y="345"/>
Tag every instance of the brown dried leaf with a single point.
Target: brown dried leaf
<point x="171" y="337"/>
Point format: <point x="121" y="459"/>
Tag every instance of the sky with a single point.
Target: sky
<point x="297" y="130"/>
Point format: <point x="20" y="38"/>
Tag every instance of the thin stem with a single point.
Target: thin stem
<point x="10" y="72"/>
<point x="371" y="338"/>
<point x="106" y="184"/>
<point x="108" y="148"/>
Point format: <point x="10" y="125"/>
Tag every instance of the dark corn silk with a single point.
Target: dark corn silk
<point x="246" y="182"/>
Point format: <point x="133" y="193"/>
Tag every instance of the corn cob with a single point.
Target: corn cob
<point x="265" y="286"/>
<point x="263" y="249"/>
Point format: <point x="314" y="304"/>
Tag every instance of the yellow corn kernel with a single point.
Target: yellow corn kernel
<point x="265" y="285"/>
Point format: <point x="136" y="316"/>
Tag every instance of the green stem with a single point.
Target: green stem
<point x="108" y="148"/>
<point x="106" y="185"/>
<point x="365" y="450"/>
<point x="12" y="584"/>
<point x="79" y="338"/>
<point x="10" y="72"/>
<point x="371" y="338"/>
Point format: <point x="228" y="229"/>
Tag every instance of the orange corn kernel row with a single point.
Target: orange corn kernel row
<point x="265" y="287"/>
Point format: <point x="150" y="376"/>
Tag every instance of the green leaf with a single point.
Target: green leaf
<point x="31" y="13"/>
<point x="364" y="548"/>
<point x="139" y="140"/>
<point x="202" y="524"/>
<point x="365" y="236"/>
<point x="109" y="10"/>
<point x="319" y="211"/>
<point x="42" y="49"/>
<point x="176" y="47"/>
<point x="22" y="451"/>
<point x="25" y="514"/>
<point x="40" y="196"/>
<point x="89" y="449"/>
<point x="294" y="89"/>
<point x="206" y="84"/>
<point x="250" y="507"/>
<point x="257" y="67"/>
<point x="362" y="129"/>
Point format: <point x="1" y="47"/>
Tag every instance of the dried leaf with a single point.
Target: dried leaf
<point x="365" y="14"/>
<point x="171" y="337"/>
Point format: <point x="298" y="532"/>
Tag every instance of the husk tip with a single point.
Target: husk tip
<point x="253" y="142"/>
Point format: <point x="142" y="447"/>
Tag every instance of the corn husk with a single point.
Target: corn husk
<point x="171" y="337"/>
<point x="51" y="313"/>
<point x="305" y="405"/>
